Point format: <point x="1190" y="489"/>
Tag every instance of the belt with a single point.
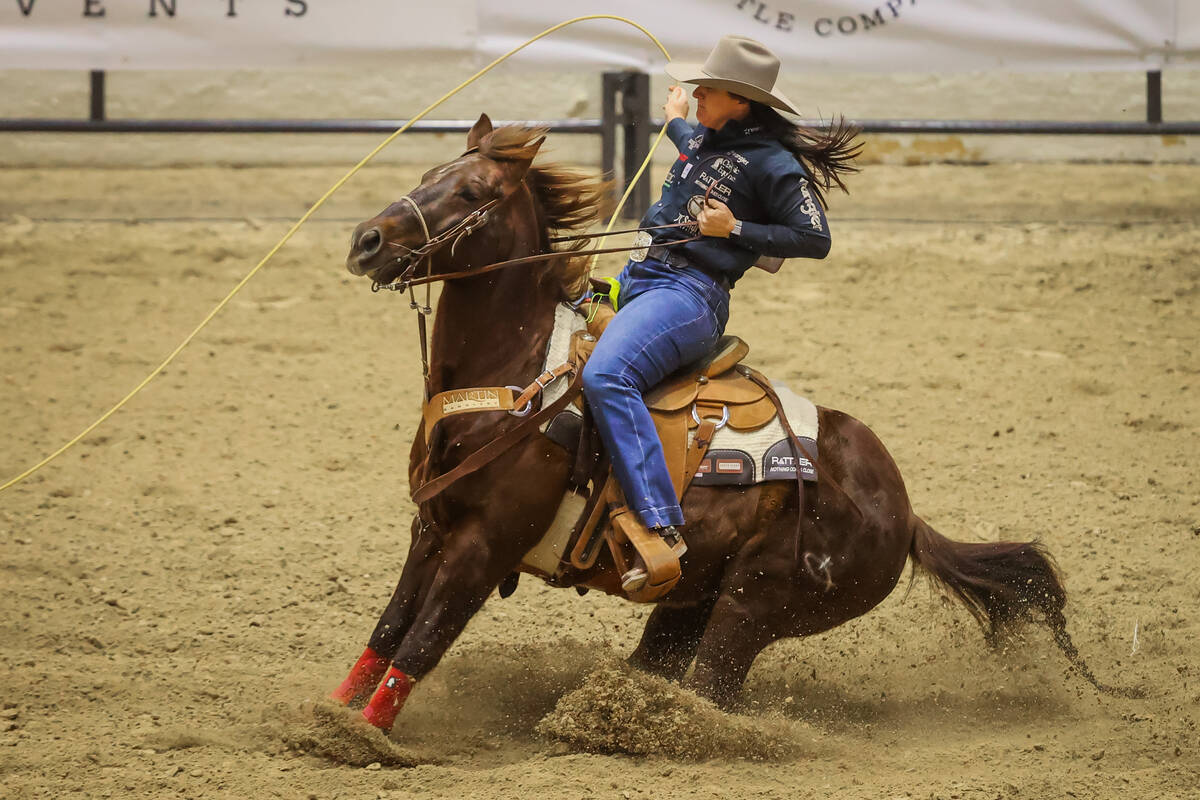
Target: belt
<point x="673" y="258"/>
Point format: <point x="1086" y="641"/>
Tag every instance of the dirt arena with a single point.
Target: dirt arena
<point x="182" y="588"/>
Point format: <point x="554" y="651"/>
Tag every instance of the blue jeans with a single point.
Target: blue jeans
<point x="667" y="318"/>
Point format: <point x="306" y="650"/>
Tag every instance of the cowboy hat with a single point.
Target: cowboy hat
<point x="738" y="65"/>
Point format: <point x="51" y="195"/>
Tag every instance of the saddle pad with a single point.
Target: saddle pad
<point x="567" y="320"/>
<point x="738" y="458"/>
<point x="763" y="454"/>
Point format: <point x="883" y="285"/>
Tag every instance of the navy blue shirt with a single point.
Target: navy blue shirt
<point x="762" y="183"/>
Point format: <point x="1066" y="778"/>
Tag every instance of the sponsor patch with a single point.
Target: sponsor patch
<point x="472" y="399"/>
<point x="725" y="468"/>
<point x="779" y="462"/>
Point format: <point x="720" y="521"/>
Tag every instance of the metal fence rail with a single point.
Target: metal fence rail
<point x="625" y="105"/>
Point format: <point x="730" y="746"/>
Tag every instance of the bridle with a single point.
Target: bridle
<point x="454" y="234"/>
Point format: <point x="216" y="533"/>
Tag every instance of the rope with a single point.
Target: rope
<point x="629" y="190"/>
<point x="338" y="185"/>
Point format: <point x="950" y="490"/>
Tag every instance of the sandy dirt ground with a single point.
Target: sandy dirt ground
<point x="181" y="589"/>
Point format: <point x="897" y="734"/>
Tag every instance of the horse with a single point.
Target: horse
<point x="745" y="583"/>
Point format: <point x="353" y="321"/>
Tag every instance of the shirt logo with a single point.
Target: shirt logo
<point x="810" y="206"/>
<point x="723" y="167"/>
<point x="689" y="225"/>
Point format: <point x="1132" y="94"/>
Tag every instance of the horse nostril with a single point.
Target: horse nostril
<point x="370" y="241"/>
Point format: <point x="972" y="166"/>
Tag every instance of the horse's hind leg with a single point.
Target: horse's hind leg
<point x="755" y="605"/>
<point x="736" y="633"/>
<point x="670" y="639"/>
<point x="394" y="622"/>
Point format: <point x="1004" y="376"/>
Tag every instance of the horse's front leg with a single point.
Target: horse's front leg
<point x="472" y="565"/>
<point x="419" y="569"/>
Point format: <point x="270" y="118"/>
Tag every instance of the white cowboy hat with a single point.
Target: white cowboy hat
<point x="739" y="65"/>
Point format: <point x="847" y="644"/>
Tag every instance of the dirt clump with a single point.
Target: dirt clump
<point x="621" y="710"/>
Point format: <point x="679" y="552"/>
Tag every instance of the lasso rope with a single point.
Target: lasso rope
<point x="307" y="214"/>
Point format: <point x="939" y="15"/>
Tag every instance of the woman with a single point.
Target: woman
<point x="750" y="184"/>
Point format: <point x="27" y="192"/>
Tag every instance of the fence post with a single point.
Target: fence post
<point x="635" y="102"/>
<point x="1154" y="97"/>
<point x="610" y="85"/>
<point x="634" y="117"/>
<point x="97" y="96"/>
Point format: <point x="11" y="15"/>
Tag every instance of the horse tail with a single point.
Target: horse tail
<point x="1003" y="585"/>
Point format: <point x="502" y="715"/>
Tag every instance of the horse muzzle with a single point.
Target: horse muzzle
<point x="366" y="243"/>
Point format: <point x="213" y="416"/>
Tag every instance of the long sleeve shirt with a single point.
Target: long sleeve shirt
<point x="764" y="185"/>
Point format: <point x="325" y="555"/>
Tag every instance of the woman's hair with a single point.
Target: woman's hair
<point x="827" y="155"/>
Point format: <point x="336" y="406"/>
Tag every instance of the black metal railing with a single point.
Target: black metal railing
<point x="625" y="107"/>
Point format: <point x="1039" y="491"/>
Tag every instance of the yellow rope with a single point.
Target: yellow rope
<point x="628" y="190"/>
<point x="307" y="214"/>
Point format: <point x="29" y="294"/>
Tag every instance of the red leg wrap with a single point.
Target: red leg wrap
<point x="388" y="700"/>
<point x="364" y="677"/>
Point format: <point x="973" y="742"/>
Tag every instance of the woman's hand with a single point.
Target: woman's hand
<point x="716" y="219"/>
<point x="677" y="104"/>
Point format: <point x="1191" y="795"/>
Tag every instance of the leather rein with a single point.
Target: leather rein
<point x="477" y="219"/>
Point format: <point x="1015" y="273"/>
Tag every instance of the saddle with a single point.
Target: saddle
<point x="688" y="408"/>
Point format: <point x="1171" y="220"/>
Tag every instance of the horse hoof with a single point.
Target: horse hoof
<point x="509" y="584"/>
<point x="634" y="579"/>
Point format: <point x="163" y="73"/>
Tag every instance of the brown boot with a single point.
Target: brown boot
<point x="674" y="539"/>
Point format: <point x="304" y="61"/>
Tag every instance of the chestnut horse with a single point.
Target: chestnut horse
<point x="745" y="581"/>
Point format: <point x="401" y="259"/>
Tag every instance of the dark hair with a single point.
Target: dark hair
<point x="827" y="155"/>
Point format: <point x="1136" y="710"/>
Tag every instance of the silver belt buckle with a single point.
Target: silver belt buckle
<point x="641" y="244"/>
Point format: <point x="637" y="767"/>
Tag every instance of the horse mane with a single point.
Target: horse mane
<point x="570" y="200"/>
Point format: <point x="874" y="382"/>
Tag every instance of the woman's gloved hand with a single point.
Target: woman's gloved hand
<point x="715" y="219"/>
<point x="677" y="105"/>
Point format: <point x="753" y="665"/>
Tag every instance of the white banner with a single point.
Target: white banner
<point x="809" y="35"/>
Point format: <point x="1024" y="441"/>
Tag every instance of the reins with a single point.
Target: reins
<point x="467" y="273"/>
<point x="477" y="219"/>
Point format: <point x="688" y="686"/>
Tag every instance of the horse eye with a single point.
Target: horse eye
<point x="469" y="194"/>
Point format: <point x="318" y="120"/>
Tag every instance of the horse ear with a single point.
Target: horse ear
<point x="520" y="163"/>
<point x="481" y="128"/>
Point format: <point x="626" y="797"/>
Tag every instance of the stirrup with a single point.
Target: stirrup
<point x="654" y="557"/>
<point x="635" y="577"/>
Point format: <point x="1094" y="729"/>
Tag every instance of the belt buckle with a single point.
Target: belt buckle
<point x="641" y="245"/>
